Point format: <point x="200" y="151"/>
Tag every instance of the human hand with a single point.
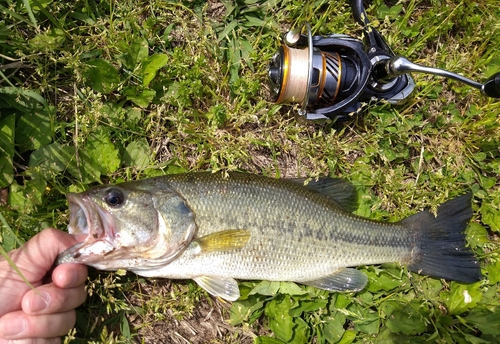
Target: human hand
<point x="48" y="312"/>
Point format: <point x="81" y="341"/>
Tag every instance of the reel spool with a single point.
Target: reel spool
<point x="308" y="76"/>
<point x="318" y="72"/>
<point x="295" y="82"/>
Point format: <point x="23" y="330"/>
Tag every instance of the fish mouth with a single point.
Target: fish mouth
<point x="91" y="224"/>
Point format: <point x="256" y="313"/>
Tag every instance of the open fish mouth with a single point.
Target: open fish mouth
<point x="91" y="223"/>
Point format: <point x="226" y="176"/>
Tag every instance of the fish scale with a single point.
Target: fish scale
<point x="329" y="235"/>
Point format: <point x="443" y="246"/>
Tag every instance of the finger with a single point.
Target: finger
<point x="18" y="325"/>
<point x="48" y="299"/>
<point x="56" y="340"/>
<point x="69" y="275"/>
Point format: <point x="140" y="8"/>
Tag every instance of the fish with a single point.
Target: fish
<point x="217" y="228"/>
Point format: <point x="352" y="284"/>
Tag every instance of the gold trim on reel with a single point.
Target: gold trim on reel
<point x="295" y="78"/>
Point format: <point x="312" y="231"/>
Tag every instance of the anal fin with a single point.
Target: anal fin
<point x="344" y="279"/>
<point x="224" y="287"/>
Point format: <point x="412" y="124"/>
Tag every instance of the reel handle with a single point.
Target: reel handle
<point x="386" y="70"/>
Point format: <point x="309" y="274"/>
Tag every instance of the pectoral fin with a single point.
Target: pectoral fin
<point x="224" y="287"/>
<point x="227" y="240"/>
<point x="341" y="280"/>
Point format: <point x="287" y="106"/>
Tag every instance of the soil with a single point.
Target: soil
<point x="207" y="322"/>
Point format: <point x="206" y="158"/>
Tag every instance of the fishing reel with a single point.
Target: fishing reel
<point x="331" y="75"/>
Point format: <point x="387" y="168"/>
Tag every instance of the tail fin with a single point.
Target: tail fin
<point x="441" y="250"/>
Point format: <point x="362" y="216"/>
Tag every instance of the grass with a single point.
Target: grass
<point x="97" y="92"/>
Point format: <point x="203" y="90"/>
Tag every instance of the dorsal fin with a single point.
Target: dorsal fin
<point x="340" y="191"/>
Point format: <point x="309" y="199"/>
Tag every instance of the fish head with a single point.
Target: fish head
<point x="127" y="225"/>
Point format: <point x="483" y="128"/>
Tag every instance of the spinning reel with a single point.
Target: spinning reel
<point x="329" y="76"/>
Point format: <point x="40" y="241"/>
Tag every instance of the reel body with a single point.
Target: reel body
<point x="331" y="75"/>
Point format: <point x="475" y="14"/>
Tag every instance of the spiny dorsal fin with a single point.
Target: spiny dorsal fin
<point x="227" y="240"/>
<point x="224" y="287"/>
<point x="340" y="191"/>
<point x="345" y="279"/>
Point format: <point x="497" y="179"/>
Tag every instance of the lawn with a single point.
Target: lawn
<point x="95" y="92"/>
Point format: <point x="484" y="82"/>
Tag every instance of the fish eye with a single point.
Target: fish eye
<point x="114" y="198"/>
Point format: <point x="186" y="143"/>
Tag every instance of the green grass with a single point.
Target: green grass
<point x="96" y="92"/>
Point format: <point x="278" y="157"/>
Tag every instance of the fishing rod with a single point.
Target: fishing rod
<point x="331" y="75"/>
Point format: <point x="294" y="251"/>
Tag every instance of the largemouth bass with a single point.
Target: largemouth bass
<point x="215" y="229"/>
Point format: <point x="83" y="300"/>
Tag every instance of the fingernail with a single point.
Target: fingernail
<point x="39" y="301"/>
<point x="13" y="326"/>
